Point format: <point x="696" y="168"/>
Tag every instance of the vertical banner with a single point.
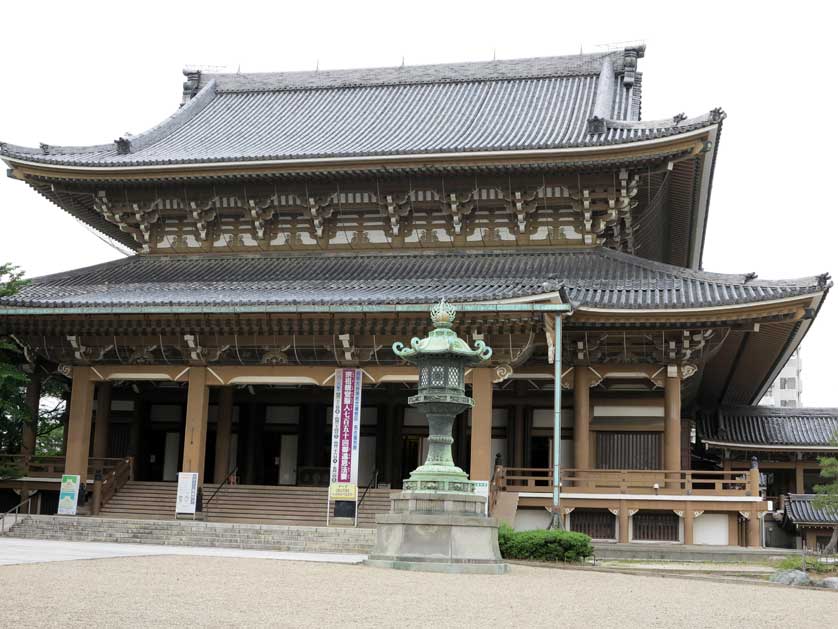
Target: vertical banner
<point x="346" y="436"/>
<point x="187" y="492"/>
<point x="68" y="496"/>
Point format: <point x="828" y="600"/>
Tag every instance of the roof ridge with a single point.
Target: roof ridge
<point x="432" y="73"/>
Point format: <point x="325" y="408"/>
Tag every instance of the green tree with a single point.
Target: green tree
<point x="827" y="494"/>
<point x="11" y="376"/>
<point x="14" y="410"/>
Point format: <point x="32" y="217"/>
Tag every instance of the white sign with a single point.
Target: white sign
<point x="481" y="488"/>
<point x="187" y="492"/>
<point x="68" y="497"/>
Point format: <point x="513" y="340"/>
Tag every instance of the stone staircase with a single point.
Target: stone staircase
<point x="196" y="533"/>
<point x="254" y="504"/>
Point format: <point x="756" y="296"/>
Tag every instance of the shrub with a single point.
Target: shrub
<point x="813" y="564"/>
<point x="543" y="545"/>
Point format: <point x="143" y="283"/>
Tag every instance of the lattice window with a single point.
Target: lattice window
<point x="424" y="375"/>
<point x="438" y="376"/>
<point x="453" y="377"/>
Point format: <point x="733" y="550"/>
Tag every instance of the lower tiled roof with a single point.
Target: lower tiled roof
<point x="801" y="510"/>
<point x="591" y="277"/>
<point x="770" y="426"/>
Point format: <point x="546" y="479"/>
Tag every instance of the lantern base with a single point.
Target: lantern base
<point x="439" y="478"/>
<point x="440" y="532"/>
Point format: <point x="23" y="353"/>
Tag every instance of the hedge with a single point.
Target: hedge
<point x="543" y="545"/>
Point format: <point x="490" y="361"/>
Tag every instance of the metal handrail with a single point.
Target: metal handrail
<point x="16" y="511"/>
<point x="373" y="481"/>
<point x="217" y="489"/>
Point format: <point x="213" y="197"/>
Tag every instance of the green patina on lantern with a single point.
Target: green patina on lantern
<point x="441" y="357"/>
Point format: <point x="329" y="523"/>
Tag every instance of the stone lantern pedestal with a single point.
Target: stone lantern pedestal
<point x="438" y="523"/>
<point x="438" y="533"/>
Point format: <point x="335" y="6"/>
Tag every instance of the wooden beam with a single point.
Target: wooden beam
<point x="481" y="425"/>
<point x="672" y="421"/>
<point x="223" y="434"/>
<point x="79" y="424"/>
<point x="195" y="437"/>
<point x="582" y="418"/>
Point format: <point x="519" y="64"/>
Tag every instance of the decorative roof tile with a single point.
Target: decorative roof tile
<point x="770" y="426"/>
<point x="801" y="510"/>
<point x="590" y="277"/>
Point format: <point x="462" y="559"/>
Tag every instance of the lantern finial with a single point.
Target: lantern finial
<point x="442" y="314"/>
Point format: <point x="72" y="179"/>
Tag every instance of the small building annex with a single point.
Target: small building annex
<point x="286" y="224"/>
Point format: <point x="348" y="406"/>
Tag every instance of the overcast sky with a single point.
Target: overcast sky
<point x="88" y="72"/>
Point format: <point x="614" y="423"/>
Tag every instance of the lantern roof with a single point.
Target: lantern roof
<point x="443" y="340"/>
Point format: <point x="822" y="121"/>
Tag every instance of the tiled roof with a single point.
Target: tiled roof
<point x="770" y="426"/>
<point x="800" y="510"/>
<point x="591" y="277"/>
<point x="519" y="104"/>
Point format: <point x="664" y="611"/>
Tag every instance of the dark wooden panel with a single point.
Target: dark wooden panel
<point x="655" y="526"/>
<point x="632" y="450"/>
<point x="596" y="523"/>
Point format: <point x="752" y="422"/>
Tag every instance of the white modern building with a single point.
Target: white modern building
<point x="786" y="390"/>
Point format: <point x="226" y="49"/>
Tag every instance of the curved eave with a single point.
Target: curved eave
<point x="688" y="143"/>
<point x="744" y="311"/>
<point x="733" y="445"/>
<point x="791" y="346"/>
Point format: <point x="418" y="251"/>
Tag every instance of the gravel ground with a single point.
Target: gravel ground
<point x="227" y="592"/>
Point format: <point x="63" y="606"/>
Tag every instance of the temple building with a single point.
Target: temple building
<point x="289" y="224"/>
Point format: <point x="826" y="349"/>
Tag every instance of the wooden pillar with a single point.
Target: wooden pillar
<point x="753" y="529"/>
<point x="733" y="528"/>
<point x="799" y="485"/>
<point x="103" y="418"/>
<point x="582" y="418"/>
<point x="689" y="525"/>
<point x="28" y="440"/>
<point x="481" y="425"/>
<point x="65" y="421"/>
<point x="623" y="525"/>
<point x="195" y="433"/>
<point x="79" y="423"/>
<point x="223" y="434"/>
<point x="672" y="424"/>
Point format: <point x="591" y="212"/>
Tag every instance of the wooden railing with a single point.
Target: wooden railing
<point x="111" y="482"/>
<point x="663" y="482"/>
<point x="53" y="466"/>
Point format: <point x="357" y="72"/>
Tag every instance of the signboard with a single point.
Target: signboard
<point x="346" y="433"/>
<point x="187" y="492"/>
<point x="68" y="497"/>
<point x="481" y="488"/>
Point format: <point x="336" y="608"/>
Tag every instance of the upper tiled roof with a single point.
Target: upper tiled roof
<point x="770" y="426"/>
<point x="591" y="277"/>
<point x="519" y="104"/>
<point x="800" y="510"/>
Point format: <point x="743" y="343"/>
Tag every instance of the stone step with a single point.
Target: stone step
<point x="189" y="533"/>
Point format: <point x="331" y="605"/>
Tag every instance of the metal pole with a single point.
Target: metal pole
<point x="556" y="517"/>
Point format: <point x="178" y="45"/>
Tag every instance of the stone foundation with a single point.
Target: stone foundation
<point x="437" y="533"/>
